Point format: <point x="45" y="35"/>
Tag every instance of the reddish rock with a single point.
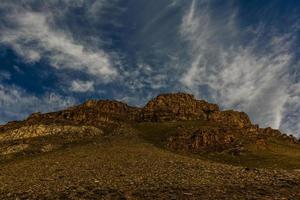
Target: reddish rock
<point x="101" y="113"/>
<point x="231" y="118"/>
<point x="174" y="107"/>
<point x="228" y="126"/>
<point x="206" y="138"/>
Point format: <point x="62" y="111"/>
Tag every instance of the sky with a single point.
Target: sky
<point x="242" y="55"/>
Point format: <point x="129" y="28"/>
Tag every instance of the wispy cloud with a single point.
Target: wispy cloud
<point x="248" y="76"/>
<point x="16" y="103"/>
<point x="34" y="36"/>
<point x="37" y="32"/>
<point x="291" y="111"/>
<point x="82" y="86"/>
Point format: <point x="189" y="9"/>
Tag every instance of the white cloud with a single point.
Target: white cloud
<point x="96" y="8"/>
<point x="291" y="112"/>
<point x="82" y="86"/>
<point x="16" y="103"/>
<point x="33" y="36"/>
<point x="245" y="77"/>
<point x="31" y="30"/>
<point x="144" y="76"/>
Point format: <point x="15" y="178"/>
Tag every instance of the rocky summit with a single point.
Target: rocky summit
<point x="175" y="147"/>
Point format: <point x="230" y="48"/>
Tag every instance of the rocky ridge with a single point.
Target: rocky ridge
<point x="228" y="129"/>
<point x="176" y="147"/>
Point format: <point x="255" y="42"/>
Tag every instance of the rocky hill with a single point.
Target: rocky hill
<point x="228" y="129"/>
<point x="175" y="147"/>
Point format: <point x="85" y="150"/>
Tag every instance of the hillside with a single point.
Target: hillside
<point x="175" y="147"/>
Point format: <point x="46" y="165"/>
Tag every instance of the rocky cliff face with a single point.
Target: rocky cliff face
<point x="166" y="107"/>
<point x="34" y="131"/>
<point x="174" y="107"/>
<point x="214" y="138"/>
<point x="228" y="128"/>
<point x="103" y="113"/>
<point x="181" y="106"/>
<point x="96" y="113"/>
<point x="25" y="138"/>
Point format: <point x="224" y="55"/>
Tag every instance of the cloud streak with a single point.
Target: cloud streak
<point x="247" y="77"/>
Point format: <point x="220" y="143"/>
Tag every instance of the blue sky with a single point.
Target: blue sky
<point x="240" y="54"/>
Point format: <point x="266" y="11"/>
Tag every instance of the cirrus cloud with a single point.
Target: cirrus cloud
<point x="252" y="76"/>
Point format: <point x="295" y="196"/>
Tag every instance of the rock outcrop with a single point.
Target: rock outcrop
<point x="37" y="138"/>
<point x="217" y="138"/>
<point x="174" y="107"/>
<point x="166" y="107"/>
<point x="181" y="107"/>
<point x="41" y="130"/>
<point x="103" y="113"/>
<point x="96" y="113"/>
<point x="227" y="128"/>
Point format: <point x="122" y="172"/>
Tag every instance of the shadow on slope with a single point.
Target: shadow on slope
<point x="274" y="153"/>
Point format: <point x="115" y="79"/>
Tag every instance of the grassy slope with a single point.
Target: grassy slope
<point x="277" y="154"/>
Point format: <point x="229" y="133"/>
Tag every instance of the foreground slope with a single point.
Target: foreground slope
<point x="130" y="168"/>
<point x="176" y="147"/>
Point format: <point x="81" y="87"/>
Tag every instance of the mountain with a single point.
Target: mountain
<point x="172" y="132"/>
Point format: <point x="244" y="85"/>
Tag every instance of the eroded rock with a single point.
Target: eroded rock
<point x="216" y="139"/>
<point x="13" y="149"/>
<point x="34" y="131"/>
<point x="174" y="107"/>
<point x="90" y="118"/>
